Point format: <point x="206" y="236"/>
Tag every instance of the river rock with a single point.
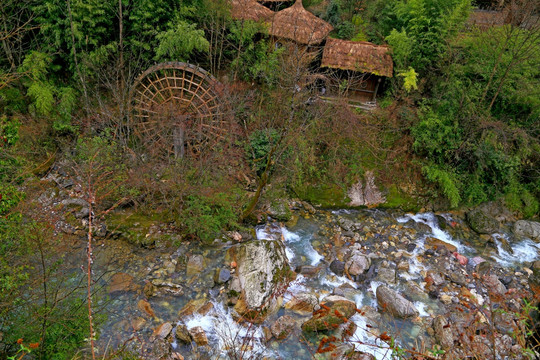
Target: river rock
<point x="303" y="303"/>
<point x="334" y="311"/>
<point x="307" y="270"/>
<point x="195" y="265"/>
<point x="357" y="264"/>
<point x="263" y="268"/>
<point x="434" y="243"/>
<point x="283" y="327"/>
<point x="199" y="306"/>
<point x="527" y="229"/>
<point x="443" y="332"/>
<point x="138" y="323"/>
<point x="222" y="276"/>
<point x="145" y="307"/>
<point x="494" y="285"/>
<point x="122" y="282"/>
<point x="182" y="334"/>
<point x="386" y="275"/>
<point x="278" y="209"/>
<point x="198" y="335"/>
<point x="149" y="289"/>
<point x="162" y="331"/>
<point x="337" y="267"/>
<point x="392" y="302"/>
<point x="481" y="221"/>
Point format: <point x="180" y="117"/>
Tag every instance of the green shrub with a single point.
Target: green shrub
<point x="519" y="198"/>
<point x="207" y="216"/>
<point x="259" y="146"/>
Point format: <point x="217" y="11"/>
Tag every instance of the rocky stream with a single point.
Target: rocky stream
<point x="341" y="284"/>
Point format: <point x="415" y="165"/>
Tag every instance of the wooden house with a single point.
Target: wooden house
<point x="356" y="69"/>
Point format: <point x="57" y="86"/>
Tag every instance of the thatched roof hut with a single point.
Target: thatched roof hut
<point x="250" y="10"/>
<point x="297" y="24"/>
<point x="357" y="56"/>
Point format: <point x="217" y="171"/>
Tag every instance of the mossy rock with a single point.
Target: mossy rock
<point x="335" y="310"/>
<point x="481" y="222"/>
<point x="397" y="198"/>
<point x="134" y="227"/>
<point x="324" y="196"/>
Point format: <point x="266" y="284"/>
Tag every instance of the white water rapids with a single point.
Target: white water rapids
<point x="226" y="334"/>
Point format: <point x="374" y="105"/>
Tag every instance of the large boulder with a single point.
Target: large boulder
<point x="334" y="311"/>
<point x="262" y="270"/>
<point x="527" y="229"/>
<point x="483" y="219"/>
<point x="357" y="264"/>
<point x="392" y="302"/>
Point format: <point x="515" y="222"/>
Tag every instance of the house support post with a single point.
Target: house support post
<point x="376" y="89"/>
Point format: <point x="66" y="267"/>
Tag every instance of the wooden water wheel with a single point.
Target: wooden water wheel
<point x="177" y="109"/>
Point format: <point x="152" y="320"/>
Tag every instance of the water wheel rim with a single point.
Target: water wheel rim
<point x="177" y="97"/>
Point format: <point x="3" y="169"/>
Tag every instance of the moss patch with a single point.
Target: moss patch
<point x="325" y="196"/>
<point x="134" y="226"/>
<point x="398" y="199"/>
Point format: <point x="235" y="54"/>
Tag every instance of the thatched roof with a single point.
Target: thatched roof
<point x="297" y="24"/>
<point x="250" y="10"/>
<point x="358" y="56"/>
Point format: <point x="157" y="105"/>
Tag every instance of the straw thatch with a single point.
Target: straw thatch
<point x="250" y="10"/>
<point x="297" y="24"/>
<point x="357" y="56"/>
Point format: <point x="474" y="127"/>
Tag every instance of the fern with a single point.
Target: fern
<point x="180" y="42"/>
<point x="446" y="180"/>
<point x="42" y="93"/>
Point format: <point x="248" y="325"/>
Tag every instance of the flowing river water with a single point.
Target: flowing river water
<point x="309" y="241"/>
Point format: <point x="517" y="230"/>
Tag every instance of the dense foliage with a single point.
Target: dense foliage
<point x="459" y="120"/>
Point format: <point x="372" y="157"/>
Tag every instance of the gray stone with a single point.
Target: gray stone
<point x="527" y="229"/>
<point x="386" y="275"/>
<point x="262" y="269"/>
<point x="481" y="221"/>
<point x="494" y="285"/>
<point x="222" y="276"/>
<point x="365" y="194"/>
<point x="279" y="209"/>
<point x="357" y="264"/>
<point x="392" y="302"/>
<point x="337" y="267"/>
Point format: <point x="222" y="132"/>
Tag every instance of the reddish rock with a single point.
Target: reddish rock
<point x="461" y="259"/>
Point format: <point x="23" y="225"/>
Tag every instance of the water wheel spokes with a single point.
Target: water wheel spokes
<point x="177" y="109"/>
